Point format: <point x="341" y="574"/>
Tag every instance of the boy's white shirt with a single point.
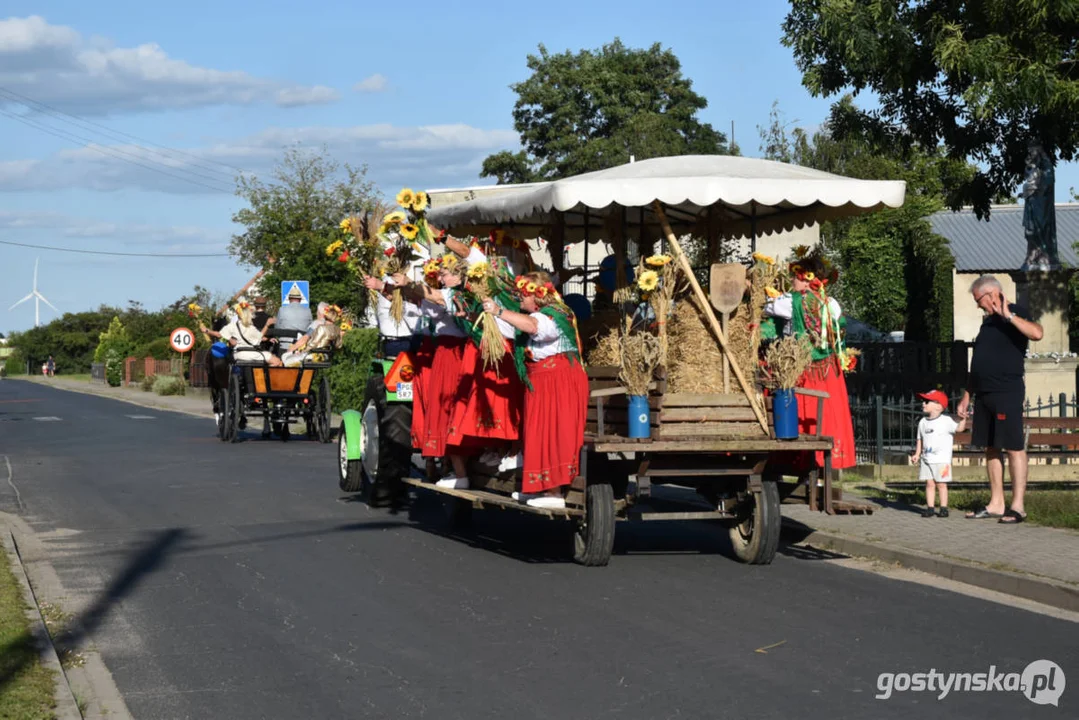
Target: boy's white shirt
<point x="937" y="436"/>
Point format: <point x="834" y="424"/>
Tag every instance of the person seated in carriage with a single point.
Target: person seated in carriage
<point x="325" y="335"/>
<point x="246" y="339"/>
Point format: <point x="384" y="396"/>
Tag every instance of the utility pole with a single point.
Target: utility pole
<point x="731" y="150"/>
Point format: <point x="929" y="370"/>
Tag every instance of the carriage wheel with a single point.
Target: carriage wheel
<point x="756" y="538"/>
<point x="324" y="413"/>
<point x="224" y="418"/>
<point x="593" y="539"/>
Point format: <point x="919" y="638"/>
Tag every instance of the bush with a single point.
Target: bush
<point x="114" y="367"/>
<point x="147" y="383"/>
<point x="169" y="385"/>
<point x="351" y="365"/>
<point x="158" y="349"/>
<point x="3" y="371"/>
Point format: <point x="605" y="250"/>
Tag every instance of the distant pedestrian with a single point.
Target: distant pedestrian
<point x="50" y="365"/>
<point x="933" y="452"/>
<point x="996" y="380"/>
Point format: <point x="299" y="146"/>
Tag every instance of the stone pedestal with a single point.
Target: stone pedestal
<point x="1046" y="295"/>
<point x="1047" y="378"/>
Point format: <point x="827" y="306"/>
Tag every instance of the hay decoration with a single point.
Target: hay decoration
<point x="695" y="364"/>
<point x="639" y="354"/>
<point x="785" y="360"/>
<point x="359" y="248"/>
<point x="606" y="348"/>
<point x="480" y="282"/>
<point x="743" y="331"/>
<point x="658" y="281"/>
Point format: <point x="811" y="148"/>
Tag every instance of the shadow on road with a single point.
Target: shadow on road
<point x="143" y="562"/>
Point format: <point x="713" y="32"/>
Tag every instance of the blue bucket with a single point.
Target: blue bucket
<point x="785" y="414"/>
<point x="638" y="416"/>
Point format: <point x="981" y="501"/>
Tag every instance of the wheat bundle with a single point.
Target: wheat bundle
<point x="696" y="362"/>
<point x="606" y="348"/>
<point x="785" y="361"/>
<point x="640" y="356"/>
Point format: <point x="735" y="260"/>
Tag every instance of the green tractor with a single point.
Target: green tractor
<point x="375" y="442"/>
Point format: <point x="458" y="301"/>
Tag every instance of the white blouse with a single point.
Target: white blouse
<point x="444" y="323"/>
<point x="548" y="340"/>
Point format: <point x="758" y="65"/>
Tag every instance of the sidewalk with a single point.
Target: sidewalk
<point x="1037" y="563"/>
<point x="196" y="402"/>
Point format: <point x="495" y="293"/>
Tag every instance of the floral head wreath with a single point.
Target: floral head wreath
<point x="527" y="287"/>
<point x="805" y="274"/>
<point x="242" y="305"/>
<point x="449" y="262"/>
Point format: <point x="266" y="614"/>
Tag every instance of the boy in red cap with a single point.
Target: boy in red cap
<point x="933" y="453"/>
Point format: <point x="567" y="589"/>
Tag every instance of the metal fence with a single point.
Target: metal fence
<point x="886" y="427"/>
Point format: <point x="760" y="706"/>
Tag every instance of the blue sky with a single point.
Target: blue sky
<point x="421" y="97"/>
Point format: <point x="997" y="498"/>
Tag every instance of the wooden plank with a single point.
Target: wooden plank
<point x="482" y="498"/>
<point x="611" y="415"/>
<point x="704" y="400"/>
<point x="706" y="414"/>
<point x="733" y="429"/>
<point x="668" y="516"/>
<point x="1052" y="423"/>
<point x="731" y="445"/>
<point x="603" y="371"/>
<point x="620" y="402"/>
<point x="1055" y="439"/>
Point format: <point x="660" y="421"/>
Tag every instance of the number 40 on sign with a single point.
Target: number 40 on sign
<point x="182" y="340"/>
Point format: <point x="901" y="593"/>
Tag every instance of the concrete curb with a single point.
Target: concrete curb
<point x="67" y="708"/>
<point x="160" y="405"/>
<point x="1030" y="587"/>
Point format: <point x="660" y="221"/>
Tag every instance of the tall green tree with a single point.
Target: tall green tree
<point x="290" y="219"/>
<point x="593" y="109"/>
<point x="982" y="78"/>
<point x="895" y="273"/>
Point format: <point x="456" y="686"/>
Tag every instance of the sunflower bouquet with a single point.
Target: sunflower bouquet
<point x="359" y="248"/>
<point x="482" y="283"/>
<point x="657" y="282"/>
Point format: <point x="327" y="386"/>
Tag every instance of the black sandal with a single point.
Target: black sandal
<point x="982" y="514"/>
<point x="1012" y="517"/>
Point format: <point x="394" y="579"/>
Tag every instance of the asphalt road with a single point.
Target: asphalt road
<point x="236" y="581"/>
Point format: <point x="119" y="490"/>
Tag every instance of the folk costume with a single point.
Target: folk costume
<point x="814" y="315"/>
<point x="490" y="409"/>
<point x="424" y="355"/>
<point x="556" y="394"/>
<point x="446" y="381"/>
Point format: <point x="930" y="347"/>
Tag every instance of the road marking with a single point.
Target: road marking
<point x="764" y="650"/>
<point x="10" y="481"/>
<point x="5" y="402"/>
<point x="141" y="417"/>
<point x="49" y="418"/>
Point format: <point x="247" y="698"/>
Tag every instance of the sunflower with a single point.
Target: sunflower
<point x="409" y="231"/>
<point x="449" y="262"/>
<point x="477" y="271"/>
<point x="530" y="288"/>
<point x="772" y="292"/>
<point x="333" y="247"/>
<point x="419" y="202"/>
<point x="766" y="259"/>
<point x="658" y="260"/>
<point x="810" y="277"/>
<point x="521" y="283"/>
<point x="345" y="326"/>
<point x="395" y="218"/>
<point x="346" y="224"/>
<point x="431" y="267"/>
<point x="194" y="308"/>
<point x="801" y="251"/>
<point x="648" y="281"/>
<point x="406" y="197"/>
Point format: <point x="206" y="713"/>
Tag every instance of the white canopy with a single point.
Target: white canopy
<point x="739" y="194"/>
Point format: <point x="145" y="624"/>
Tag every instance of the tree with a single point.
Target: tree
<point x="981" y="78"/>
<point x="593" y="109"/>
<point x="895" y="273"/>
<point x="290" y="221"/>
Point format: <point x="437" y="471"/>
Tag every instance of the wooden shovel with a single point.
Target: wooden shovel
<point x="726" y="287"/>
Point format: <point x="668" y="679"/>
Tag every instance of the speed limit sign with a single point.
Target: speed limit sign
<point x="182" y="340"/>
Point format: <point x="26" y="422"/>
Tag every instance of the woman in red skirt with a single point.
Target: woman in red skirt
<point x="424" y="356"/>
<point x="556" y="404"/>
<point x="811" y="313"/>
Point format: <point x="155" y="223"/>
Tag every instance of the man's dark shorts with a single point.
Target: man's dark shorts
<point x="998" y="421"/>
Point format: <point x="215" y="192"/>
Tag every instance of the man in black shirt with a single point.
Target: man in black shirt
<point x="996" y="379"/>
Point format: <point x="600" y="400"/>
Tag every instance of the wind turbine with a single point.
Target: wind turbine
<point x="37" y="297"/>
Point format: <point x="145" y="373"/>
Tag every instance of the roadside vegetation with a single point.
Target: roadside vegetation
<point x="27" y="688"/>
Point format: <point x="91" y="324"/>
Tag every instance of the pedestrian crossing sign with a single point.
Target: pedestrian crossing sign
<point x="291" y="287"/>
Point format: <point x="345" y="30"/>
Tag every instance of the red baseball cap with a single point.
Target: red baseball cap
<point x="936" y="396"/>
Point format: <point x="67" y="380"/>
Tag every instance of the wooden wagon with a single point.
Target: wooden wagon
<point x="717" y="450"/>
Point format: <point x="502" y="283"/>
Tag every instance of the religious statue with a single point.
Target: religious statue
<point x="1039" y="211"/>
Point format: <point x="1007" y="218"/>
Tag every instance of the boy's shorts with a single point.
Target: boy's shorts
<point x="937" y="472"/>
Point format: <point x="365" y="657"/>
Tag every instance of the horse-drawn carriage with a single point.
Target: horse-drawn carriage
<point x="278" y="395"/>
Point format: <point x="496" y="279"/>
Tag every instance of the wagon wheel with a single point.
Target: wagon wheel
<point x="324" y="412"/>
<point x="756" y="538"/>
<point x="236" y="407"/>
<point x="593" y="539"/>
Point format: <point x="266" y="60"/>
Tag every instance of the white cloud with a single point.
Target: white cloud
<point x="372" y="84"/>
<point x="55" y="65"/>
<point x="426" y="156"/>
<point x="41" y="225"/>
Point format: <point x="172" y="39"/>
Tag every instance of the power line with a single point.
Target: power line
<point x="104" y="129"/>
<point x="112" y="152"/>
<point x="121" y="254"/>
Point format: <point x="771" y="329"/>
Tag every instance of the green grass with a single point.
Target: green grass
<point x="29" y="693"/>
<point x="1051" y="508"/>
<point x="79" y="377"/>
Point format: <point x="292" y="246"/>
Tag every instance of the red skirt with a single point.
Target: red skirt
<point x="836" y="422"/>
<point x="445" y="383"/>
<point x="422" y="359"/>
<point x="554" y="418"/>
<point x="492" y="410"/>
